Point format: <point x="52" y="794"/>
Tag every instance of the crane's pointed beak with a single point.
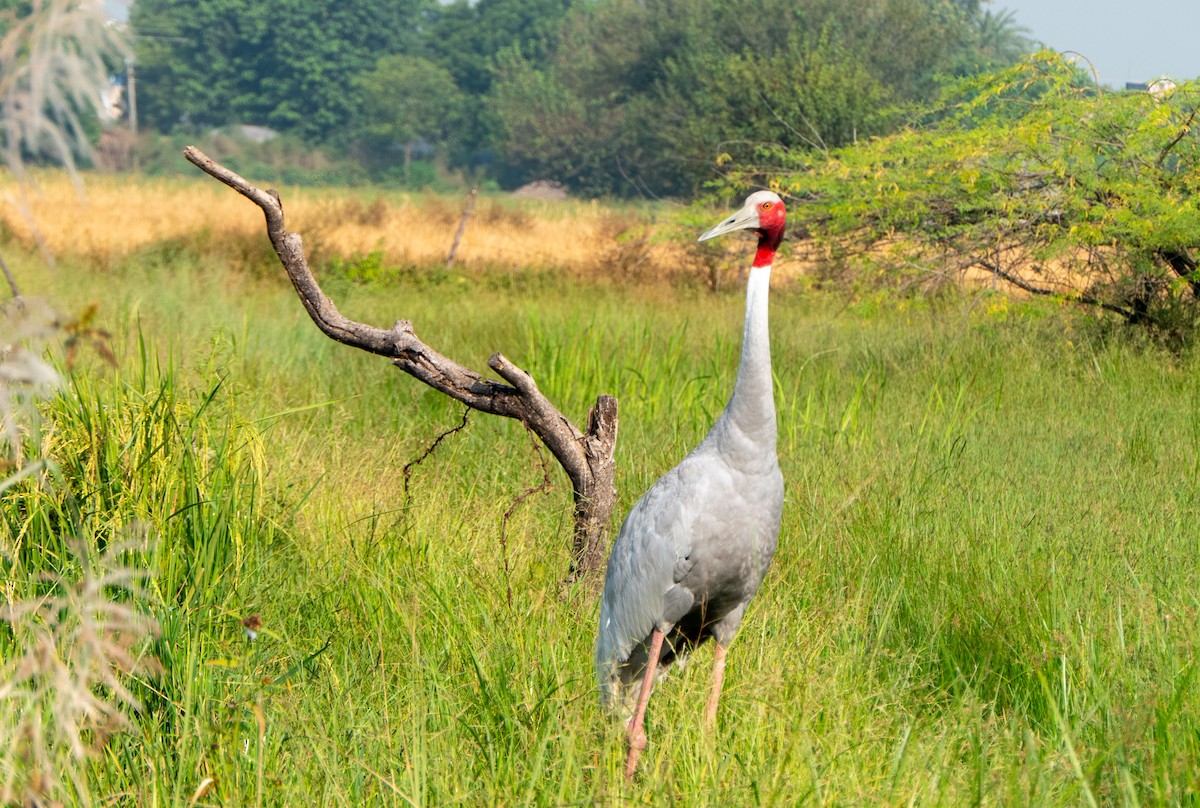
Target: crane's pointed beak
<point x="744" y="219"/>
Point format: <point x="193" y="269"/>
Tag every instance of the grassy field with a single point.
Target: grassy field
<point x="985" y="593"/>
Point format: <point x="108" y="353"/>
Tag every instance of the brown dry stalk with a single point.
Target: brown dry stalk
<point x="412" y="464"/>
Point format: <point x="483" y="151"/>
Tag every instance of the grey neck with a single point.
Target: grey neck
<point x="748" y="422"/>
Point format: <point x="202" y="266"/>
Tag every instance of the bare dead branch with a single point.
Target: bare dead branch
<point x="586" y="457"/>
<point x="462" y="227"/>
<point x="1021" y="283"/>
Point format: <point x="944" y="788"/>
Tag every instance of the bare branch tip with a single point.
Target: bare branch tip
<point x="196" y="157"/>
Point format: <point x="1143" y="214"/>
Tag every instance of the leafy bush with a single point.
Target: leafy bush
<point x="1031" y="174"/>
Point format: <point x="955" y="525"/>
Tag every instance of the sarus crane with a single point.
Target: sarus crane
<point x="694" y="549"/>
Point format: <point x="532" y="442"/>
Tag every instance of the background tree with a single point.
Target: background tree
<point x="611" y="97"/>
<point x="1001" y="38"/>
<point x="405" y="99"/>
<point x="1031" y="174"/>
<point x="546" y="129"/>
<point x="466" y="38"/>
<point x="655" y="90"/>
<point x="288" y="64"/>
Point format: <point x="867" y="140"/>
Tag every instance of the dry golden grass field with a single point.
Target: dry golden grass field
<point x="114" y="216"/>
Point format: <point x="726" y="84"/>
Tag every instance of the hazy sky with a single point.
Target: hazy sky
<point x="1124" y="40"/>
<point x="117" y="9"/>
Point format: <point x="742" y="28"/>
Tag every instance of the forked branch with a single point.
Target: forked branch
<point x="586" y="456"/>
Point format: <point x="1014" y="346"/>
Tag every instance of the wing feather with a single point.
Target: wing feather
<point x="651" y="555"/>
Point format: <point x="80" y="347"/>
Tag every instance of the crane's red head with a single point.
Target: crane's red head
<point x="763" y="213"/>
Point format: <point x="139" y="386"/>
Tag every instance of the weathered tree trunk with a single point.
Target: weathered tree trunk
<point x="586" y="456"/>
<point x="1184" y="266"/>
<point x="462" y="227"/>
<point x="595" y="490"/>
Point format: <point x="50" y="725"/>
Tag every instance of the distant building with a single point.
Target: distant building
<point x="1160" y="87"/>
<point x="1157" y="88"/>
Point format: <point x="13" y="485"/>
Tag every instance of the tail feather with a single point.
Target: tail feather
<point x="621" y="682"/>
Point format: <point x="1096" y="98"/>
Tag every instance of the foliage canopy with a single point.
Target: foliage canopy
<point x="643" y="94"/>
<point x="289" y="64"/>
<point x="406" y="99"/>
<point x="1031" y="173"/>
<point x="610" y="96"/>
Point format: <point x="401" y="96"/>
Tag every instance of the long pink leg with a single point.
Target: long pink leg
<point x="710" y="712"/>
<point x="636" y="733"/>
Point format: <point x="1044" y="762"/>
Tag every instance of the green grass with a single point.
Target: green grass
<point x="986" y="588"/>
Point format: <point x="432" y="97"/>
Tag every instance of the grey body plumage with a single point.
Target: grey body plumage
<point x="690" y="556"/>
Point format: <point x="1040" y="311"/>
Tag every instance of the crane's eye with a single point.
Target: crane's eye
<point x="766" y="205"/>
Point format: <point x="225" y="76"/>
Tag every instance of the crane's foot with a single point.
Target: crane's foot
<point x="635" y="738"/>
<point x="636" y="733"/>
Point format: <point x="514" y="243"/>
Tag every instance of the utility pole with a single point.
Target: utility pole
<point x="131" y="92"/>
<point x="131" y="89"/>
